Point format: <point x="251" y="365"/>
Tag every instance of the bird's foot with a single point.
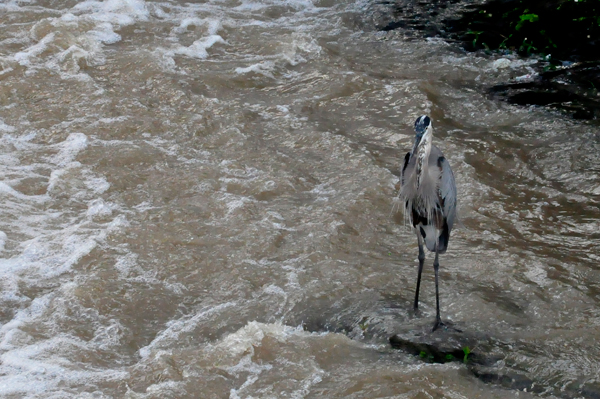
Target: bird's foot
<point x="439" y="324"/>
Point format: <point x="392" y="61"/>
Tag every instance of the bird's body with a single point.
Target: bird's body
<point x="430" y="206"/>
<point x="428" y="192"/>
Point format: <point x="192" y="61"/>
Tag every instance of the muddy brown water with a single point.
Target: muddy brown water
<point x="197" y="201"/>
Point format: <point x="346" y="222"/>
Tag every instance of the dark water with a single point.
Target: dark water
<point x="197" y="201"/>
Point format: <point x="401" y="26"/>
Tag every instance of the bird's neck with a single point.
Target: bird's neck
<point x="422" y="160"/>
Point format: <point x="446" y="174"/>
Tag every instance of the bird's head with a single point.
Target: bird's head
<point x="422" y="129"/>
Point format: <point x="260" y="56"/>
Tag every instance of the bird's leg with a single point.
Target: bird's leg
<point x="421" y="261"/>
<point x="436" y="266"/>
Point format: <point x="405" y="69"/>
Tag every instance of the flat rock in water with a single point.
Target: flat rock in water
<point x="446" y="344"/>
<point x="486" y="357"/>
<point x="481" y="354"/>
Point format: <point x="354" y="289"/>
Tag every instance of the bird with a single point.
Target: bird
<point x="428" y="194"/>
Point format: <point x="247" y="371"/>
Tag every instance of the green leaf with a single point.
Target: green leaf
<point x="467" y="351"/>
<point x="526" y="17"/>
<point x="530" y="17"/>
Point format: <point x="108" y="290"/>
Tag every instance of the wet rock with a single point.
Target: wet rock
<point x="478" y="352"/>
<point x="487" y="357"/>
<point x="572" y="90"/>
<point x="426" y="18"/>
<point x="591" y="391"/>
<point x="447" y="344"/>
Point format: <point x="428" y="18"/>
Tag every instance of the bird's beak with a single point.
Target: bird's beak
<point x="427" y="131"/>
<point x="425" y="136"/>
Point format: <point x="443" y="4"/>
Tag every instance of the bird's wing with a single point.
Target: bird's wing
<point x="406" y="160"/>
<point x="447" y="190"/>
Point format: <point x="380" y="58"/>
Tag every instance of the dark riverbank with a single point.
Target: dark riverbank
<point x="563" y="35"/>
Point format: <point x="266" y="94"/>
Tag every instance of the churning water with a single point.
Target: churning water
<point x="197" y="201"/>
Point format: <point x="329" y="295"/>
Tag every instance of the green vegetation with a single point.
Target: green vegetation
<point x="427" y="356"/>
<point x="467" y="352"/>
<point x="559" y="30"/>
<point x="564" y="33"/>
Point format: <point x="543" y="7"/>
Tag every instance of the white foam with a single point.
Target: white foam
<point x="300" y="44"/>
<point x="97" y="184"/>
<point x="6" y="128"/>
<point x="323" y="192"/>
<point x="265" y="68"/>
<point x="68" y="149"/>
<point x="99" y="208"/>
<point x="274" y="290"/>
<point x="250" y="6"/>
<point x="65" y="159"/>
<point x="160" y="13"/>
<point x="79" y="34"/>
<point x="252" y="334"/>
<point x="213" y="25"/>
<point x="234" y="202"/>
<point x="237" y="356"/>
<point x="31" y="365"/>
<point x="125" y="264"/>
<point x="178" y="327"/>
<point x="104" y="33"/>
<point x="198" y="49"/>
<point x="23" y="57"/>
<point x="120" y="12"/>
<point x="48" y="239"/>
<point x="3" y="238"/>
<point x="68" y="17"/>
<point x="31" y="374"/>
<point x="172" y="387"/>
<point x="299" y="5"/>
<point x="8" y="190"/>
<point x="294" y="51"/>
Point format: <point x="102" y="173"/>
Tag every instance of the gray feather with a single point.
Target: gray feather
<point x="429" y="202"/>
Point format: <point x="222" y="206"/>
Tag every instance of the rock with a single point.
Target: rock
<point x="591" y="391"/>
<point x="501" y="63"/>
<point x="447" y="344"/>
<point x="572" y="90"/>
<point x="488" y="358"/>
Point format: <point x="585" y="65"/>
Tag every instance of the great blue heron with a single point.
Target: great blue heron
<point x="428" y="193"/>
